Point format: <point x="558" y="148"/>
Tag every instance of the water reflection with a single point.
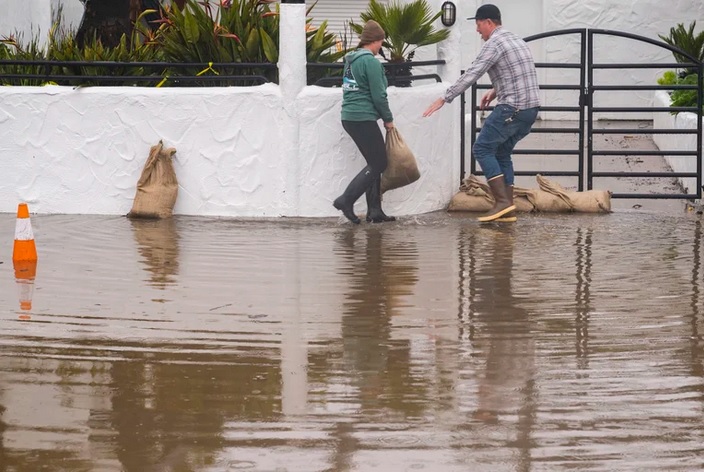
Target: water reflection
<point x="158" y="244"/>
<point x="437" y="344"/>
<point x="506" y="329"/>
<point x="25" y="273"/>
<point x="500" y="332"/>
<point x="697" y="305"/>
<point x="168" y="415"/>
<point x="381" y="270"/>
<point x="583" y="295"/>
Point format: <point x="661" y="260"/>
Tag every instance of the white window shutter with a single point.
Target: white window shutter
<point x="338" y="13"/>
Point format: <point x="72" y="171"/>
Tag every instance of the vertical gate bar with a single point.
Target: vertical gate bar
<point x="462" y="136"/>
<point x="582" y="104"/>
<point x="473" y="134"/>
<point x="700" y="115"/>
<point x="589" y="103"/>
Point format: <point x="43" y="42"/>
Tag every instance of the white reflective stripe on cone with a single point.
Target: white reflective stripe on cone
<point x="23" y="230"/>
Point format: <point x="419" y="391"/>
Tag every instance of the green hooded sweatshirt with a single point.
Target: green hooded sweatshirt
<point x="364" y="88"/>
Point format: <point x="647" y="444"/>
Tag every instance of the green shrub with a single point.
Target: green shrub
<point x="64" y="47"/>
<point x="693" y="44"/>
<point x="15" y="49"/>
<point x="239" y="31"/>
<point x="222" y="31"/>
<point x="686" y="41"/>
<point x="680" y="98"/>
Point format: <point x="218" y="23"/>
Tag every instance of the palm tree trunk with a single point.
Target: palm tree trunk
<point x="107" y="20"/>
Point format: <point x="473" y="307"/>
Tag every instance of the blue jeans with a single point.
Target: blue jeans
<point x="504" y="127"/>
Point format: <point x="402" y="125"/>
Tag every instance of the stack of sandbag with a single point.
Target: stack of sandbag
<point x="157" y="187"/>
<point x="549" y="197"/>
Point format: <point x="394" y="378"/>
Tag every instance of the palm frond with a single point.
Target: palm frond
<point x="408" y="26"/>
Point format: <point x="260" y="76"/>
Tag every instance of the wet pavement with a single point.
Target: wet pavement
<point x="561" y="342"/>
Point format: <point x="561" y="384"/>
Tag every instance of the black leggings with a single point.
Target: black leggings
<point x="368" y="138"/>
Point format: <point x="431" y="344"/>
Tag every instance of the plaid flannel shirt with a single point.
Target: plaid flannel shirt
<point x="509" y="62"/>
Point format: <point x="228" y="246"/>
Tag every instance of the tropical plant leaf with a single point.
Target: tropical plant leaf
<point x="269" y="45"/>
<point x="190" y="28"/>
<point x="687" y="41"/>
<point x="408" y="26"/>
<point x="202" y="32"/>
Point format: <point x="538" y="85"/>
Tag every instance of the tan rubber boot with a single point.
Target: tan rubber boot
<point x="503" y="203"/>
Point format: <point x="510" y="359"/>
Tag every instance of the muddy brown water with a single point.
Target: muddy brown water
<point x="565" y="342"/>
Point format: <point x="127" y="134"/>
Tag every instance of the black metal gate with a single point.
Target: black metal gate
<point x="583" y="160"/>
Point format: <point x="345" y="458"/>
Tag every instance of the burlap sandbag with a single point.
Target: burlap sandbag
<point x="550" y="197"/>
<point x="157" y="187"/>
<point x="462" y="201"/>
<point x="522" y="199"/>
<point x="402" y="168"/>
<point x="590" y="201"/>
<point x="475" y="195"/>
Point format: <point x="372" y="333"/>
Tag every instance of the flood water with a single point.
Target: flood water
<point x="562" y="342"/>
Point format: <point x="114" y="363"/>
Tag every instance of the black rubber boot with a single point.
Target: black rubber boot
<point x="374" y="212"/>
<point x="355" y="189"/>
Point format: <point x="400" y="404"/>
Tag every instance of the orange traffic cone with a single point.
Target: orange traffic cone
<point x="24" y="258"/>
<point x="25" y="250"/>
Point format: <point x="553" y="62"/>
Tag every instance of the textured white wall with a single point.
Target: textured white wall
<point x="637" y="17"/>
<point x="33" y="18"/>
<point x="68" y="150"/>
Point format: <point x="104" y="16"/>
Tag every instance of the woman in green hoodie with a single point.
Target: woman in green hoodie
<point x="364" y="102"/>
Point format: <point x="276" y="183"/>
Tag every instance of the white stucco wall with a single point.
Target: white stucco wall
<point x="676" y="142"/>
<point x="647" y="19"/>
<point x="66" y="150"/>
<point x="72" y="11"/>
<point x="33" y="18"/>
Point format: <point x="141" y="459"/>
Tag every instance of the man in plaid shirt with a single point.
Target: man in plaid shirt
<point x="509" y="63"/>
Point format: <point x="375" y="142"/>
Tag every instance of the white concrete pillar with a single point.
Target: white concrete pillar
<point x="292" y="48"/>
<point x="292" y="80"/>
